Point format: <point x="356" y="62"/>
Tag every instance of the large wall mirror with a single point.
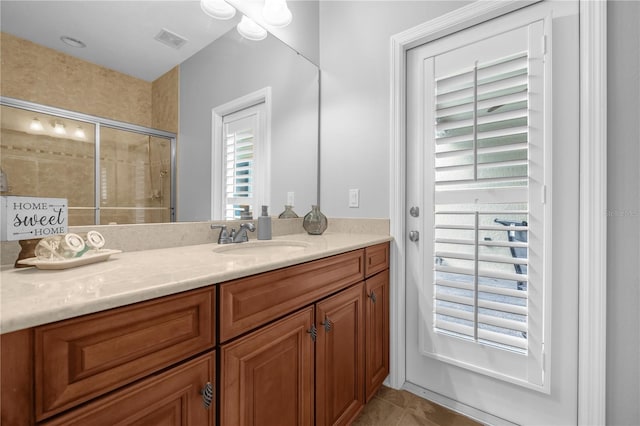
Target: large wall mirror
<point x="231" y="75"/>
<point x="219" y="75"/>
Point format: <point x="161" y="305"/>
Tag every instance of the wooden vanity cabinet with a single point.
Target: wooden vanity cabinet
<point x="115" y="355"/>
<point x="302" y="345"/>
<point x="267" y="375"/>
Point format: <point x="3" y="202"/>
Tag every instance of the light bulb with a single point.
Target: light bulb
<point x="218" y="9"/>
<point x="58" y="128"/>
<point x="36" y="125"/>
<point x="276" y="13"/>
<point x="250" y="30"/>
<point x="79" y="133"/>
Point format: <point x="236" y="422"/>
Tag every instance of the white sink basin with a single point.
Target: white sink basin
<point x="264" y="248"/>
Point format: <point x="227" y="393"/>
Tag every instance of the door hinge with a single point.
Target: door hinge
<point x="543" y="194"/>
<point x="544" y="44"/>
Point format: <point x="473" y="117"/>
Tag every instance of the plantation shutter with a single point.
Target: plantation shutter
<point x="240" y="160"/>
<point x="481" y="158"/>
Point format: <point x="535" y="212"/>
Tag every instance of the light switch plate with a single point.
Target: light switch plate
<point x="354" y="198"/>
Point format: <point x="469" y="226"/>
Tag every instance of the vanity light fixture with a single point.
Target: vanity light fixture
<point x="276" y="13"/>
<point x="79" y="133"/>
<point x="36" y="125"/>
<point x="250" y="30"/>
<point x="58" y="128"/>
<point x="218" y="9"/>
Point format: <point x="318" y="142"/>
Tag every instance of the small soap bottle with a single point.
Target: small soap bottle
<point x="264" y="225"/>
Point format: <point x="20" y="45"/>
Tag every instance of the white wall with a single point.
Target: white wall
<point x="623" y="225"/>
<point x="355" y="98"/>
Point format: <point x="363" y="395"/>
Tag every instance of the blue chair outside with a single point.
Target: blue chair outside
<point x="517" y="252"/>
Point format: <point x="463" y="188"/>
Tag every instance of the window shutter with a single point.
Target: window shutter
<point x="239" y="162"/>
<point x="481" y="157"/>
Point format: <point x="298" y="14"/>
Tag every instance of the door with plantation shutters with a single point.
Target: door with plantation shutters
<point x="244" y="162"/>
<point x="491" y="143"/>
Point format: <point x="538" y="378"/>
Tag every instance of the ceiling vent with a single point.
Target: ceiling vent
<point x="171" y="39"/>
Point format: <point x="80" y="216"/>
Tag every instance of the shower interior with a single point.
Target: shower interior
<point x="132" y="181"/>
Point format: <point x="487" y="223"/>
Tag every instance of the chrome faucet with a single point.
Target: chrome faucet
<point x="241" y="235"/>
<point x="224" y="237"/>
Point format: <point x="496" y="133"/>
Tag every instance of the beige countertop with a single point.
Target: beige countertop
<point x="31" y="297"/>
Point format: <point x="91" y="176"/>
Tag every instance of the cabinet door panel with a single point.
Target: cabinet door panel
<point x="377" y="332"/>
<point x="340" y="357"/>
<point x="267" y="376"/>
<point x="172" y="398"/>
<point x="85" y="357"/>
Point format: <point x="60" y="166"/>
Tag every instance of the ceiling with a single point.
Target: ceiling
<point x="118" y="34"/>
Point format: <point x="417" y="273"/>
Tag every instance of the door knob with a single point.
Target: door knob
<point x="414" y="236"/>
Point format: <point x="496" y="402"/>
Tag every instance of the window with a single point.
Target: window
<point x="241" y="152"/>
<point x="486" y="220"/>
<point x="241" y="136"/>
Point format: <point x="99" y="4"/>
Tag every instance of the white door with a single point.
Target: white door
<point x="492" y="216"/>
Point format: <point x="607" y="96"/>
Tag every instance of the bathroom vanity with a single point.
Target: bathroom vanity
<point x="294" y="331"/>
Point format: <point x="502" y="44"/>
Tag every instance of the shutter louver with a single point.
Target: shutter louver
<point x="481" y="241"/>
<point x="240" y="167"/>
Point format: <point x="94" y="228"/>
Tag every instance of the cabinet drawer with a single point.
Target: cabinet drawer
<point x="81" y="358"/>
<point x="250" y="302"/>
<point x="171" y="398"/>
<point x="376" y="259"/>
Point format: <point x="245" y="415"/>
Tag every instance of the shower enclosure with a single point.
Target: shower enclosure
<point x="109" y="171"/>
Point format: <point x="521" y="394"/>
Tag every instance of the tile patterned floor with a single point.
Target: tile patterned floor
<point x="401" y="408"/>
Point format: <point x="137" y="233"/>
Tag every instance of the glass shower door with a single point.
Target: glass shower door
<point x="44" y="155"/>
<point x="135" y="177"/>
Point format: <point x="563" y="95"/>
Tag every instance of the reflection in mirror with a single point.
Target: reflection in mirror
<point x="53" y="154"/>
<point x="231" y="75"/>
<point x="225" y="70"/>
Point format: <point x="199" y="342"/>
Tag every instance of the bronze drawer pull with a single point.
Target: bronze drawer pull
<point x="327" y="324"/>
<point x="313" y="331"/>
<point x="207" y="395"/>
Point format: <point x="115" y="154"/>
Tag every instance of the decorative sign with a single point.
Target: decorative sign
<point x="32" y="217"/>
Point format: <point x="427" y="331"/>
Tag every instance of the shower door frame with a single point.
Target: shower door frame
<point x="98" y="122"/>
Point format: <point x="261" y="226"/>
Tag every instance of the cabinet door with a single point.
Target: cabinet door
<point x="340" y="357"/>
<point x="267" y="376"/>
<point x="173" y="398"/>
<point x="377" y="332"/>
